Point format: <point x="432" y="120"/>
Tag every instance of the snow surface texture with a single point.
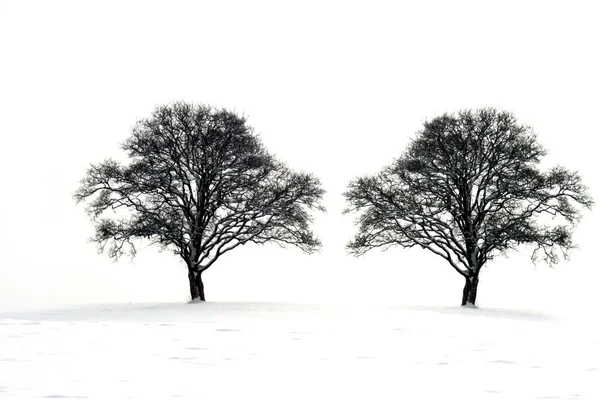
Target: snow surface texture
<point x="285" y="351"/>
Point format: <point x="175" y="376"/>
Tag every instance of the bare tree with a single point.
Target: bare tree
<point x="199" y="183"/>
<point x="469" y="188"/>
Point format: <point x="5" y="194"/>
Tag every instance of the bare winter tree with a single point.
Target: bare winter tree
<point x="198" y="183"/>
<point x="469" y="188"/>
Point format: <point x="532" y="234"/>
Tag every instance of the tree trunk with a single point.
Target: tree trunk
<point x="470" y="290"/>
<point x="196" y="285"/>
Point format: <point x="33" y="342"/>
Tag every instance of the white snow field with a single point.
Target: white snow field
<point x="290" y="351"/>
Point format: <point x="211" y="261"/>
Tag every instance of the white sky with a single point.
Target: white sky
<point x="334" y="88"/>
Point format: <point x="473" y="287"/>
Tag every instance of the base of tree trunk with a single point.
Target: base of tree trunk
<point x="470" y="291"/>
<point x="196" y="286"/>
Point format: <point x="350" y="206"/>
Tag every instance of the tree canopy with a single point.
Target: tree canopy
<point x="199" y="183"/>
<point x="468" y="188"/>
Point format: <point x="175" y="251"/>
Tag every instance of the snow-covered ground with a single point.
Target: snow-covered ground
<point x="289" y="351"/>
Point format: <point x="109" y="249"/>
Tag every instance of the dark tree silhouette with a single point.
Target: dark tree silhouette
<point x="469" y="188"/>
<point x="198" y="183"/>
